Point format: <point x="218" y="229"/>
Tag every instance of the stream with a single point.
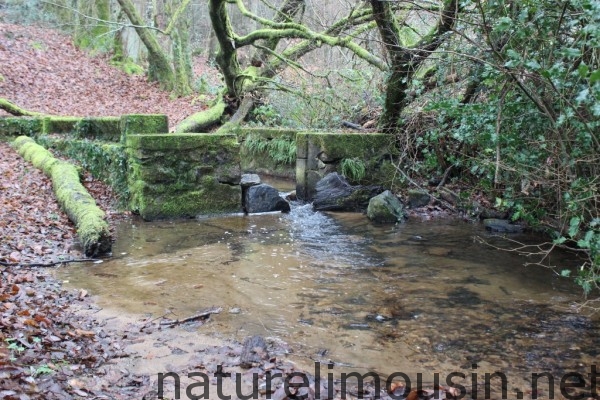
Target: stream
<point x="416" y="297"/>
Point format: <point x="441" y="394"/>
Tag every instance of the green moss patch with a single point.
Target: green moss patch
<point x="143" y="123"/>
<point x="17" y="126"/>
<point x="183" y="175"/>
<point x="73" y="198"/>
<point x="60" y="124"/>
<point x="101" y="128"/>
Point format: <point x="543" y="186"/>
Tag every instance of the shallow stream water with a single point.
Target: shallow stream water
<point x="417" y="297"/>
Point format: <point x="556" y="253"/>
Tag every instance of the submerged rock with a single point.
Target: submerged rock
<point x="386" y="208"/>
<point x="264" y="198"/>
<point x="334" y="193"/>
<point x="501" y="225"/>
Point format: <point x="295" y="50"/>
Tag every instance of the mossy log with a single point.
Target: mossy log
<point x="201" y="121"/>
<point x="15" y="110"/>
<point x="73" y="198"/>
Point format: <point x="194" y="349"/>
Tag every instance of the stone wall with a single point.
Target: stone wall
<point x="184" y="175"/>
<point x="321" y="153"/>
<point x="163" y="175"/>
<point x="261" y="162"/>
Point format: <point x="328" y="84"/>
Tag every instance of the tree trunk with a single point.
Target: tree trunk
<point x="227" y="56"/>
<point x="405" y="60"/>
<point x="159" y="68"/>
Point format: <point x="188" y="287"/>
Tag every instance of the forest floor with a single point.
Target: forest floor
<point x="41" y="70"/>
<point x="53" y="342"/>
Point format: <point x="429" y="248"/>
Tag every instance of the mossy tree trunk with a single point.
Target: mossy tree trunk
<point x="180" y="37"/>
<point x="406" y="58"/>
<point x="159" y="69"/>
<point x="267" y="61"/>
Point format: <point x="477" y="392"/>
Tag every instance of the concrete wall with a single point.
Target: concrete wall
<point x="261" y="162"/>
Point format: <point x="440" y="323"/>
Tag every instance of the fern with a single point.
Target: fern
<point x="280" y="150"/>
<point x="353" y="168"/>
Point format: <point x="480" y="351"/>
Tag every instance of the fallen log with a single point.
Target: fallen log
<point x="17" y="111"/>
<point x="72" y="196"/>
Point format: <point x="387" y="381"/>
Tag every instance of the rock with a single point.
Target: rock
<point x="386" y="208"/>
<point x="334" y="193"/>
<point x="264" y="198"/>
<point x="291" y="196"/>
<point x="501" y="225"/>
<point x="254" y="352"/>
<point x="249" y="180"/>
<point x="449" y="196"/>
<point x="418" y="198"/>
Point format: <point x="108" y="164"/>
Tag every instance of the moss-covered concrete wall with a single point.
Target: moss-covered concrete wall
<point x="320" y="153"/>
<point x="262" y="160"/>
<point x="164" y="175"/>
<point x="184" y="175"/>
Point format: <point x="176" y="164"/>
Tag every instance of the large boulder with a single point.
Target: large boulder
<point x="264" y="198"/>
<point x="334" y="193"/>
<point x="386" y="208"/>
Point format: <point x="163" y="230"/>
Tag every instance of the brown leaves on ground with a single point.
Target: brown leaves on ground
<point x="46" y="350"/>
<point x="33" y="227"/>
<point x="41" y="70"/>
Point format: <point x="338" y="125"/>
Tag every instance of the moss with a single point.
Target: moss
<point x="158" y="201"/>
<point x="302" y="144"/>
<point x="183" y="141"/>
<point x="16" y="126"/>
<point x="203" y="120"/>
<point x="350" y="145"/>
<point x="61" y="124"/>
<point x="128" y="66"/>
<point x="100" y="128"/>
<point x="73" y="198"/>
<point x="180" y="175"/>
<point x="266" y="132"/>
<point x="143" y="123"/>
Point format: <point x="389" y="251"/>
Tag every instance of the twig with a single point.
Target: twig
<point x="204" y="314"/>
<point x="51" y="264"/>
<point x="444" y="177"/>
<point x="443" y="202"/>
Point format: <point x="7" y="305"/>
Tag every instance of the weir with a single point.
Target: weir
<point x="165" y="175"/>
